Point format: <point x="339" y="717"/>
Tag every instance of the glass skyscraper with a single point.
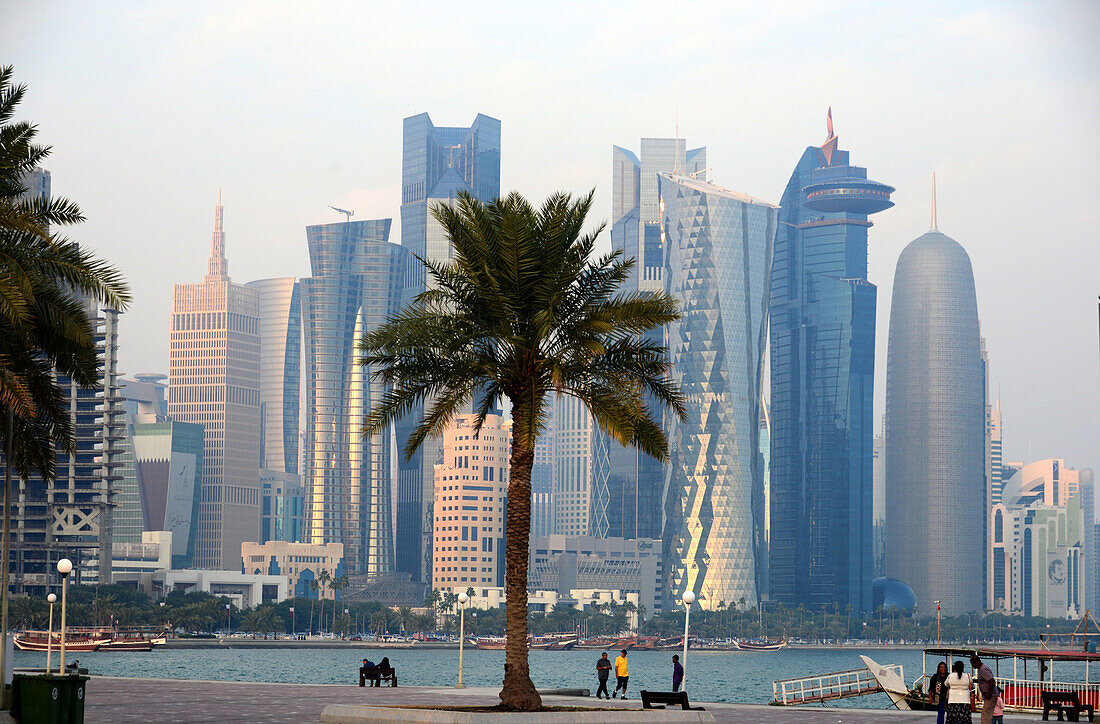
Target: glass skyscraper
<point x="280" y="374"/>
<point x="356" y="286"/>
<point x="936" y="491"/>
<point x="437" y="162"/>
<point x="822" y="383"/>
<point x="718" y="247"/>
<point x="628" y="485"/>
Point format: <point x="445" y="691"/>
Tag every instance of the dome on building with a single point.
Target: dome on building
<point x="890" y="593"/>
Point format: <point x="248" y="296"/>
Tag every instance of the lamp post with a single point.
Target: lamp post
<point x="228" y="620"/>
<point x="64" y="567"/>
<point x="937" y="623"/>
<point x="689" y="598"/>
<point x="52" y="598"/>
<point x="293" y="628"/>
<point x="462" y="599"/>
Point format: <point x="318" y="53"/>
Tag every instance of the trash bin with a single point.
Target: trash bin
<point x="48" y="698"/>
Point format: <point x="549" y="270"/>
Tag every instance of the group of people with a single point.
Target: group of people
<point x="384" y="664"/>
<point x="622" y="675"/>
<point x="953" y="693"/>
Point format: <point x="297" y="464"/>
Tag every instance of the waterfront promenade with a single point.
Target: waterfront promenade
<point x="142" y="701"/>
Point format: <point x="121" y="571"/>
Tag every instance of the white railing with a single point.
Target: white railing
<point x="824" y="687"/>
<point x="1027" y="694"/>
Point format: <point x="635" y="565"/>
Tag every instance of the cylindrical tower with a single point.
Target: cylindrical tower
<point x="935" y="429"/>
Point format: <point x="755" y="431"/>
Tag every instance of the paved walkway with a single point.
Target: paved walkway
<point x="143" y="701"/>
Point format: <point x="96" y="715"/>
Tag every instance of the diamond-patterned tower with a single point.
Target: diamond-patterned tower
<point x="717" y="246"/>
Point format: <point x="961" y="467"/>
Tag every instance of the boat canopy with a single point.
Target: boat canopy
<point x="1047" y="655"/>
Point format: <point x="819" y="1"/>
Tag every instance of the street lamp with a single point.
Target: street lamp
<point x="64" y="567"/>
<point x="228" y="620"/>
<point x="293" y="628"/>
<point x="52" y="598"/>
<point x="937" y="622"/>
<point x="462" y="599"/>
<point x="689" y="598"/>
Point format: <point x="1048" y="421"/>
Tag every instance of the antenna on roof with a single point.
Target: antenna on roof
<point x="934" y="227"/>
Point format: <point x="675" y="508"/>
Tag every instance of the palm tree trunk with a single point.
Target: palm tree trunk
<point x="519" y="691"/>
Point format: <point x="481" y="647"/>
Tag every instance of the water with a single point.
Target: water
<point x="744" y="677"/>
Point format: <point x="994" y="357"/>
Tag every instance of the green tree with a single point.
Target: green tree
<point x="524" y="311"/>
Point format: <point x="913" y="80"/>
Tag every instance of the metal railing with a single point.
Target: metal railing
<point x="825" y="687"/>
<point x="1027" y="694"/>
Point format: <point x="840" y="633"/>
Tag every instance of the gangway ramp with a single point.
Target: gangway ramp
<point x="828" y="687"/>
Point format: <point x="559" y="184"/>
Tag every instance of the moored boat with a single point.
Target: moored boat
<point x="42" y="641"/>
<point x="761" y="645"/>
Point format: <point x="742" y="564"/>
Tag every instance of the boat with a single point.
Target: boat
<point x="43" y="641"/>
<point x="491" y="643"/>
<point x="79" y="638"/>
<point x="761" y="645"/>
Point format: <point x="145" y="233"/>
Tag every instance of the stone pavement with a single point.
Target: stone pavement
<point x="144" y="701"/>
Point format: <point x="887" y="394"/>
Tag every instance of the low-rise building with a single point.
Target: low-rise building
<point x="562" y="563"/>
<point x="301" y="563"/>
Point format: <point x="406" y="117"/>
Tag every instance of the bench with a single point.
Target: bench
<point x="1064" y="702"/>
<point x="649" y="698"/>
<point x="376" y="675"/>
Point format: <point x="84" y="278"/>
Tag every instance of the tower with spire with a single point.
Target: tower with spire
<point x="213" y="380"/>
<point x="822" y="312"/>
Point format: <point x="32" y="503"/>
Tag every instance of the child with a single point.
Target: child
<point x="999" y="710"/>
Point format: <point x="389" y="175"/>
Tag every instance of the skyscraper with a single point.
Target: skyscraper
<point x="628" y="484"/>
<point x="572" y="468"/>
<point x="437" y="162"/>
<point x="214" y="381"/>
<point x="935" y="426"/>
<point x="280" y="312"/>
<point x="718" y="246"/>
<point x="355" y="287"/>
<point x="822" y="370"/>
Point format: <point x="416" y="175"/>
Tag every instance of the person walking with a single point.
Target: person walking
<point x="603" y="670"/>
<point x="999" y="710"/>
<point x="677" y="673"/>
<point x="937" y="691"/>
<point x="621" y="674"/>
<point x="960" y="695"/>
<point x="987" y="686"/>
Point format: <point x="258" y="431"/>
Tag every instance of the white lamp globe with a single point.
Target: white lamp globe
<point x="64" y="566"/>
<point x="52" y="598"/>
<point x="689" y="597"/>
<point x="463" y="598"/>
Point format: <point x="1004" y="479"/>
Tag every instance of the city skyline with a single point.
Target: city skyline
<point x="1027" y="102"/>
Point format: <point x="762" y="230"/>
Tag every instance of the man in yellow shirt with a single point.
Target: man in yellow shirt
<point x="621" y="674"/>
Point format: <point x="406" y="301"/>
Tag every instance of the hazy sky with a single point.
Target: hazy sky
<point x="290" y="107"/>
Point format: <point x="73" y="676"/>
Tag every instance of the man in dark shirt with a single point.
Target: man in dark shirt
<point x="677" y="673"/>
<point x="987" y="686"/>
<point x="603" y="670"/>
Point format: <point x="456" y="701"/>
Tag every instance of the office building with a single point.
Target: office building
<point x="280" y="311"/>
<point x="1048" y="561"/>
<point x="878" y="520"/>
<point x="563" y="563"/>
<point x="718" y="245"/>
<point x="72" y="515"/>
<point x="437" y="162"/>
<point x="629" y="485"/>
<point x="822" y="383"/>
<point x="572" y="469"/>
<point x="282" y="507"/>
<point x="471" y="491"/>
<point x="936" y="426"/>
<point x="356" y="286"/>
<point x="168" y="457"/>
<point x="214" y="381"/>
<point x="301" y="563"/>
<point x="1046" y="482"/>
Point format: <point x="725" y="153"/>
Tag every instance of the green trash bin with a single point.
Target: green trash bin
<point x="48" y="698"/>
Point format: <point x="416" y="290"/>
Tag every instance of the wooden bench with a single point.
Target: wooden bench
<point x="649" y="698"/>
<point x="1064" y="702"/>
<point x="376" y="675"/>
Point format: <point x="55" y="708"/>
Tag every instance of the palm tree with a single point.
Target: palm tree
<point x="44" y="279"/>
<point x="337" y="584"/>
<point x="323" y="579"/>
<point x="313" y="586"/>
<point x="524" y="311"/>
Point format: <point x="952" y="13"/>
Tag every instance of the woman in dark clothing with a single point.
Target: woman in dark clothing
<point x="937" y="691"/>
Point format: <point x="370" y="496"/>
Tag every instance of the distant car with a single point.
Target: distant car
<point x="356" y="638"/>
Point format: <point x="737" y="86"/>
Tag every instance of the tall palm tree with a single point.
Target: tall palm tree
<point x="44" y="279"/>
<point x="522" y="312"/>
<point x="323" y="579"/>
<point x="337" y="584"/>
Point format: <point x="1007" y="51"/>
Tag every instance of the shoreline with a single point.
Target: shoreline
<point x="260" y="643"/>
